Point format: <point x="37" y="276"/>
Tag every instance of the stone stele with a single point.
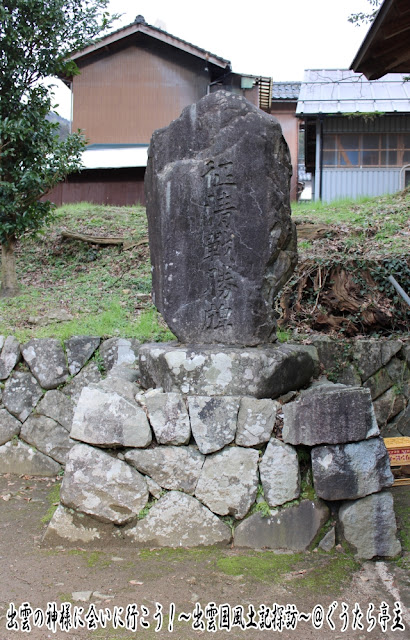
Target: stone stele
<point x="221" y="238"/>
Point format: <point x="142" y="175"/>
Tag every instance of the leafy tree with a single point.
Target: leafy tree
<point x="36" y="37"/>
<point x="365" y="18"/>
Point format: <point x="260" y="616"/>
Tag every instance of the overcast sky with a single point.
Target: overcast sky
<point x="278" y="38"/>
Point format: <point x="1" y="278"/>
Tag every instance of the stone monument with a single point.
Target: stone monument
<point x="213" y="429"/>
<point x="221" y="237"/>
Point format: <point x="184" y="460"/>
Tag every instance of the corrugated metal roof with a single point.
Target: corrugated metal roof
<point x="285" y="90"/>
<point x="112" y="156"/>
<point x="342" y="91"/>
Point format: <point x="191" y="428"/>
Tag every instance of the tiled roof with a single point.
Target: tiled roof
<point x="139" y="25"/>
<point x="285" y="90"/>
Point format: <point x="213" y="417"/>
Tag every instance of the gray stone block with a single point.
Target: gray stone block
<point x="70" y="528"/>
<point x="213" y="421"/>
<point x="90" y="374"/>
<point x="293" y="528"/>
<point x="178" y="520"/>
<point x="58" y="406"/>
<point x="47" y="361"/>
<point x="369" y="524"/>
<point x="99" y="485"/>
<point x="47" y="436"/>
<point x="350" y="471"/>
<point x="21" y="394"/>
<point x="171" y="467"/>
<point x="229" y="481"/>
<point x="328" y="541"/>
<point x="9" y="426"/>
<point x="168" y="417"/>
<point x="265" y="372"/>
<point x="107" y="419"/>
<point x="387" y="406"/>
<point x="79" y="350"/>
<point x="9" y="356"/>
<point x="370" y="355"/>
<point x="19" y="458"/>
<point x="256" y="420"/>
<point x="402" y="423"/>
<point x="221" y="237"/>
<point x="116" y="351"/>
<point x="279" y="473"/>
<point x="330" y="414"/>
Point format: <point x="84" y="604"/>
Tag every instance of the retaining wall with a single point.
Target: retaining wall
<point x="166" y="445"/>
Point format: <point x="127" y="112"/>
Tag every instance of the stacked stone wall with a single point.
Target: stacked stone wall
<point x="166" y="445"/>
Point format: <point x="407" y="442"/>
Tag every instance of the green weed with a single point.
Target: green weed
<point x="53" y="498"/>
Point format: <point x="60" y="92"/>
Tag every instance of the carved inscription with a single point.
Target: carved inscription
<point x="218" y="238"/>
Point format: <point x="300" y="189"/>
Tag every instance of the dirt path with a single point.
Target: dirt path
<point x="117" y="578"/>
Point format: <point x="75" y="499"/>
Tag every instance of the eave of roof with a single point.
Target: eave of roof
<point x="114" y="156"/>
<point x="154" y="32"/>
<point x="340" y="91"/>
<point x="386" y="48"/>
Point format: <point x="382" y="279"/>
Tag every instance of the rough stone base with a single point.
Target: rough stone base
<point x="267" y="371"/>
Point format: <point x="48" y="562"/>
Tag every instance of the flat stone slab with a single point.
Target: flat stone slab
<point x="168" y="417"/>
<point x="179" y="520"/>
<point x="107" y="419"/>
<point x="256" y="420"/>
<point x="46" y="360"/>
<point x="171" y="467"/>
<point x="99" y="485"/>
<point x="70" y="528"/>
<point x="9" y="426"/>
<point x="279" y="472"/>
<point x="213" y="421"/>
<point x="229" y="481"/>
<point x="331" y="414"/>
<point x="19" y="458"/>
<point x="21" y="394"/>
<point x="47" y="436"/>
<point x="265" y="372"/>
<point x="350" y="471"/>
<point x="9" y="356"/>
<point x="221" y="237"/>
<point x="369" y="524"/>
<point x="58" y="406"/>
<point x="79" y="350"/>
<point x="293" y="528"/>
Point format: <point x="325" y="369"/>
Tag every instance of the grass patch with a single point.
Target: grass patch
<point x="91" y="558"/>
<point x="331" y="574"/>
<point x="53" y="498"/>
<point x="180" y="554"/>
<point x="94" y="290"/>
<point x="385" y="219"/>
<point x="264" y="567"/>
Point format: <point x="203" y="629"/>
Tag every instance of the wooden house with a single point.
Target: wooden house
<point x="131" y="82"/>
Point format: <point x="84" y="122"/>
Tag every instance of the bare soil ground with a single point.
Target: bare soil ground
<point x="30" y="573"/>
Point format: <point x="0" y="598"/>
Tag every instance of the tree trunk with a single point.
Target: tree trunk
<point x="9" y="285"/>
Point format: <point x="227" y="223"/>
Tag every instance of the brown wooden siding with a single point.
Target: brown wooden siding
<point x="119" y="187"/>
<point x="123" y="97"/>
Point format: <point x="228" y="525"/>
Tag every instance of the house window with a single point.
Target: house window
<point x="366" y="150"/>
